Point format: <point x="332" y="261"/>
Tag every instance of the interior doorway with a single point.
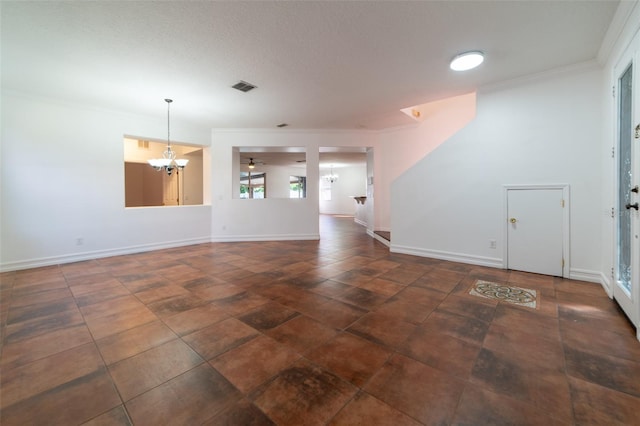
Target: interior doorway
<point x="346" y="183"/>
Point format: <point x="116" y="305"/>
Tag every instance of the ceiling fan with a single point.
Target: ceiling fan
<point x="252" y="163"/>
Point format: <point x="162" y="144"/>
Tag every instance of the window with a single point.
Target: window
<point x="252" y="185"/>
<point x="297" y="187"/>
<point x="144" y="186"/>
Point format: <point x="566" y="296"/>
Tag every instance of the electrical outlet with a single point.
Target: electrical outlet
<point x="492" y="244"/>
<point x="79" y="241"/>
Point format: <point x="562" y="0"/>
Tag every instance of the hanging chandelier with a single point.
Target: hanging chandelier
<point x="331" y="178"/>
<point x="168" y="162"/>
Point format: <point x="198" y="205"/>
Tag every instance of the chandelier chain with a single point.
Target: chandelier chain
<point x="168" y="101"/>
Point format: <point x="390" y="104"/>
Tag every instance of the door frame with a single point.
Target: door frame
<point x="628" y="302"/>
<point x="566" y="248"/>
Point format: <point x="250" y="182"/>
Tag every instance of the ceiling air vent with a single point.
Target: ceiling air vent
<point x="243" y="86"/>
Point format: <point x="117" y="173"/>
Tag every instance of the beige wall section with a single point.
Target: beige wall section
<point x="143" y="185"/>
<point x="192" y="176"/>
<point x="401" y="148"/>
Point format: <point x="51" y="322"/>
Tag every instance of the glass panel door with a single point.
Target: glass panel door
<point x="625" y="179"/>
<point x="626" y="286"/>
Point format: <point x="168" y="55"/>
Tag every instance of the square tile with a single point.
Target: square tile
<point x="111" y="307"/>
<point x="23" y="352"/>
<point x="335" y="314"/>
<point x="131" y="342"/>
<point x="174" y="305"/>
<point x="472" y="307"/>
<point x="464" y="328"/>
<point x="37" y="326"/>
<point x="118" y="322"/>
<point x="362" y="298"/>
<point x="240" y="303"/>
<point x="242" y="413"/>
<point x="539" y="385"/>
<point x="330" y="288"/>
<point x="190" y="398"/>
<point x="42" y="309"/>
<point x="381" y="286"/>
<point x="482" y="407"/>
<point x="598" y="405"/>
<point x="304" y="394"/>
<point x="83" y="398"/>
<point x="608" y="371"/>
<point x="382" y="330"/>
<point x="26" y="296"/>
<point x="302" y="333"/>
<point x="142" y="372"/>
<point x="268" y="316"/>
<point x="530" y="348"/>
<point x="108" y="290"/>
<point x="402" y="275"/>
<point x="606" y="342"/>
<point x="366" y="410"/>
<point x="116" y="417"/>
<point x="28" y="380"/>
<point x="350" y="357"/>
<point x="503" y="375"/>
<point x="405" y="310"/>
<point x="194" y="319"/>
<point x="426" y="297"/>
<point x="422" y="392"/>
<point x="249" y="365"/>
<point x="442" y="351"/>
<point x="220" y="337"/>
<point x="156" y="294"/>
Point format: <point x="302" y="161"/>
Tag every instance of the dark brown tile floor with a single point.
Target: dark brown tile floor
<point x="337" y="332"/>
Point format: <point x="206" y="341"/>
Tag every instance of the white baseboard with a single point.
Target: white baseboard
<point x="97" y="254"/>
<point x="267" y="237"/>
<point x="360" y="222"/>
<point x="593" y="277"/>
<point x="492" y="262"/>
<point x="378" y="238"/>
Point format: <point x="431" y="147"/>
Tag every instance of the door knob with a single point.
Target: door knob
<point x="513" y="219"/>
<point x="632" y="206"/>
<point x="635" y="189"/>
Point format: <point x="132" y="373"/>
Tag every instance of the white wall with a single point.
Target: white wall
<point x="271" y="218"/>
<point x="352" y="182"/>
<point x="544" y="131"/>
<point x="63" y="180"/>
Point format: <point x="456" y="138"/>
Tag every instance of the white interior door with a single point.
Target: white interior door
<point x="535" y="230"/>
<point x="626" y="287"/>
<point x="171" y="192"/>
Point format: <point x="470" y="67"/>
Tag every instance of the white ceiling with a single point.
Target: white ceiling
<point x="341" y="64"/>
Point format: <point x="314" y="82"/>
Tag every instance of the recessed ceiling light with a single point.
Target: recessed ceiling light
<point x="466" y="61"/>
